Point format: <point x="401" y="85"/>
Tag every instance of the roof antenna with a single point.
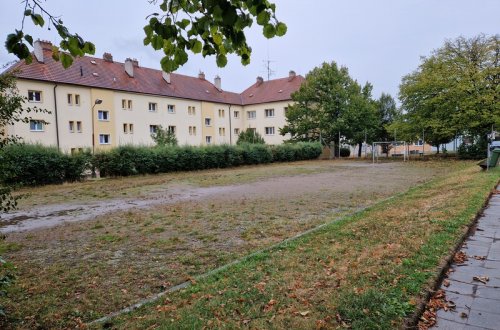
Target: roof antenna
<point x="267" y="64"/>
<point x="81" y="71"/>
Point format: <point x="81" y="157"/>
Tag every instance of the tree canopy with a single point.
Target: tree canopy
<point x="210" y="27"/>
<point x="454" y="91"/>
<point x="250" y="136"/>
<point x="330" y="102"/>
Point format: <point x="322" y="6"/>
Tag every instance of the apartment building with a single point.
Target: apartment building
<point x="98" y="103"/>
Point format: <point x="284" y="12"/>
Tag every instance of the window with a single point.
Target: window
<point x="208" y="139"/>
<point x="153" y="129"/>
<point x="103" y="115"/>
<point x="72" y="126"/>
<point x="77" y="99"/>
<point x="131" y="128"/>
<point x="152" y="106"/>
<point x="222" y="113"/>
<point x="419" y="143"/>
<point x="126" y="104"/>
<point x="251" y="114"/>
<point x="79" y="126"/>
<point x="125" y="128"/>
<point x="269" y="130"/>
<point x="70" y="99"/>
<point x="236" y="131"/>
<point x="192" y="130"/>
<point x="171" y="108"/>
<point x="269" y="113"/>
<point x="35" y="96"/>
<point x="36" y="125"/>
<point x="285" y="110"/>
<point x="208" y="122"/>
<point x="104" y="139"/>
<point x="222" y="131"/>
<point x="191" y="111"/>
<point x="236" y="114"/>
<point x="171" y="129"/>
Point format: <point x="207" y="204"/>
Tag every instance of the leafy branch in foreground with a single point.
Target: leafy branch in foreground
<point x="210" y="27"/>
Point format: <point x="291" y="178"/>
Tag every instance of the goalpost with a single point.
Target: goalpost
<point x="397" y="145"/>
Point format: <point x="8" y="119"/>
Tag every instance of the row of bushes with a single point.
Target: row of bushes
<point x="25" y="164"/>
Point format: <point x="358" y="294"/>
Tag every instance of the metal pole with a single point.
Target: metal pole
<point x="423" y="142"/>
<point x="339" y="144"/>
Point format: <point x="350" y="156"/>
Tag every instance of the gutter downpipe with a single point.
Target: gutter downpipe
<point x="230" y="129"/>
<point x="55" y="113"/>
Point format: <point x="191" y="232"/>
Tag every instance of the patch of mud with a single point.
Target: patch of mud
<point x="347" y="178"/>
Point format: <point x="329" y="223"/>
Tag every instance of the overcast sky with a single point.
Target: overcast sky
<point x="379" y="41"/>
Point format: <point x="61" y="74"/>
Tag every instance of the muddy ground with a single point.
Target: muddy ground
<point x="80" y="259"/>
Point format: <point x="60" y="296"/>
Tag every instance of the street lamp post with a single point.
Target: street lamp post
<point x="96" y="102"/>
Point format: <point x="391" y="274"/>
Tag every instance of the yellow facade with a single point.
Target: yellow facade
<point x="103" y="124"/>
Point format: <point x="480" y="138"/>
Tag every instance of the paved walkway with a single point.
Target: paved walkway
<point x="477" y="303"/>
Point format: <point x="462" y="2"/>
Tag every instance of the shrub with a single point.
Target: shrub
<point x="476" y="150"/>
<point x="250" y="136"/>
<point x="345" y="152"/>
<point x="33" y="164"/>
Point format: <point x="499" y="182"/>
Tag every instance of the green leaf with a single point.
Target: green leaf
<point x="66" y="60"/>
<point x="157" y="42"/>
<point x="180" y="56"/>
<point x="263" y="18"/>
<point x="196" y="46"/>
<point x="37" y="19"/>
<point x="168" y="65"/>
<point x="217" y="38"/>
<point x="221" y="60"/>
<point x="89" y="48"/>
<point x="183" y="24"/>
<point x="29" y="39"/>
<point x="148" y="30"/>
<point x="269" y="31"/>
<point x="281" y="29"/>
<point x="55" y="53"/>
<point x="27" y="12"/>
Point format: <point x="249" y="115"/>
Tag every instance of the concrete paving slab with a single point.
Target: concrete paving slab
<point x="486" y="305"/>
<point x="458" y="315"/>
<point x="484" y="319"/>
<point x="449" y="325"/>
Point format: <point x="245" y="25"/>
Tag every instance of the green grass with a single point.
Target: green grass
<point x="367" y="271"/>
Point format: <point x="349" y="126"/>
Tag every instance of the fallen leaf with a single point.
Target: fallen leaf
<point x="460" y="257"/>
<point x="446" y="283"/>
<point x="305" y="313"/>
<point x="479" y="257"/>
<point x="482" y="279"/>
<point x="269" y="305"/>
<point x="463" y="315"/>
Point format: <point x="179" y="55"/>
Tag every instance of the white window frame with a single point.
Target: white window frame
<point x="70" y="99"/>
<point x="236" y="131"/>
<point x="71" y="126"/>
<point x="125" y="128"/>
<point x="37" y="125"/>
<point x="171" y="108"/>
<point x="77" y="99"/>
<point x="152" y="106"/>
<point x="236" y="114"/>
<point x="208" y="121"/>
<point x="208" y="139"/>
<point x="270" y="130"/>
<point x="32" y="96"/>
<point x="222" y="131"/>
<point x="172" y="129"/>
<point x="103" y="115"/>
<point x="79" y="126"/>
<point x="103" y="137"/>
<point x="131" y="128"/>
<point x="153" y="129"/>
<point x="269" y="113"/>
<point x="252" y="114"/>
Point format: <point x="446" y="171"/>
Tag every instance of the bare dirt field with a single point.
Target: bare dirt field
<point x="87" y="249"/>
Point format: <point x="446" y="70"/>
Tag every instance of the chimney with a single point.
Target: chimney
<point x="107" y="57"/>
<point x="201" y="75"/>
<point x="135" y="62"/>
<point x="166" y="76"/>
<point x="260" y="80"/>
<point x="217" y="83"/>
<point x="129" y="67"/>
<point x="39" y="46"/>
<point x="291" y="75"/>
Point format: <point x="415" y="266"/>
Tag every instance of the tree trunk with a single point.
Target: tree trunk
<point x="360" y="144"/>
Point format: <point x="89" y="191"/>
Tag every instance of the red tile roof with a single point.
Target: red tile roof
<point x="96" y="72"/>
<point x="271" y="90"/>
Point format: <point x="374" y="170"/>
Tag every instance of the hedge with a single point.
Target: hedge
<point x="26" y="164"/>
<point x="32" y="164"/>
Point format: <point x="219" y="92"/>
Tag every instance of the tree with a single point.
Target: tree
<point x="387" y="112"/>
<point x="454" y="91"/>
<point x="209" y="27"/>
<point x="164" y="137"/>
<point x="330" y="102"/>
<point x="11" y="111"/>
<point x="250" y="136"/>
